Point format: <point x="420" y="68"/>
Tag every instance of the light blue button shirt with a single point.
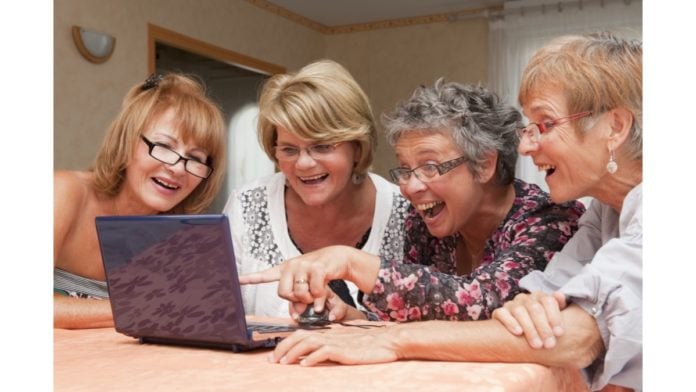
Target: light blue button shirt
<point x="601" y="270"/>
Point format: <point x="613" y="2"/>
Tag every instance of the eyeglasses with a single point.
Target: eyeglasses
<point x="170" y="157"/>
<point x="316" y="151"/>
<point x="425" y="173"/>
<point x="534" y="130"/>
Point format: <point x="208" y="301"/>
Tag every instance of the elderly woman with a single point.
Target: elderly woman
<point x="591" y="119"/>
<point x="583" y="95"/>
<point x="164" y="153"/>
<point x="474" y="230"/>
<point x="318" y="128"/>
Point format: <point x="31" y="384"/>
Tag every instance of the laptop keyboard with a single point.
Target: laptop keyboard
<point x="271" y="328"/>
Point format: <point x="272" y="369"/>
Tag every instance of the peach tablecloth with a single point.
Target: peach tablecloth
<point x="104" y="360"/>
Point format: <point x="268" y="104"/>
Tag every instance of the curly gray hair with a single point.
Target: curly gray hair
<point x="477" y="119"/>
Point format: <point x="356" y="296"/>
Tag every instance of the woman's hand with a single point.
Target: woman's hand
<point x="348" y="347"/>
<point x="304" y="279"/>
<point x="537" y="315"/>
<point x="338" y="310"/>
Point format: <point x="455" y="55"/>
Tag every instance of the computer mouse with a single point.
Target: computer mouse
<point x="310" y="318"/>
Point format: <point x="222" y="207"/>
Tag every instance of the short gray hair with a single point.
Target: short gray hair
<point x="477" y="119"/>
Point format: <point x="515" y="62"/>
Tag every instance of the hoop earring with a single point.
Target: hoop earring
<point x="612" y="166"/>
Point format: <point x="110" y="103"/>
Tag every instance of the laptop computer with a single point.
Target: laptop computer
<point x="173" y="279"/>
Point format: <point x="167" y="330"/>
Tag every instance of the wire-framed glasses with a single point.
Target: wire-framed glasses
<point x="288" y="153"/>
<point x="534" y="130"/>
<point x="171" y="157"/>
<point x="425" y="173"/>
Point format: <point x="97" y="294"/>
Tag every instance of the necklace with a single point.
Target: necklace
<point x="116" y="211"/>
<point x="475" y="253"/>
<point x="468" y="246"/>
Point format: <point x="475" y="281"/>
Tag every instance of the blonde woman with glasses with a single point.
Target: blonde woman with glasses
<point x="318" y="128"/>
<point x="164" y="153"/>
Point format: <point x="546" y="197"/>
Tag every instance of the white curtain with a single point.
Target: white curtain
<point x="526" y="25"/>
<point x="246" y="159"/>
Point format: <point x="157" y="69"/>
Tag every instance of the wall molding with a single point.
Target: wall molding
<point x="160" y="34"/>
<point x="384" y="24"/>
<point x="270" y="7"/>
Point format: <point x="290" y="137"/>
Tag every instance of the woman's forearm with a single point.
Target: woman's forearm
<point x="489" y="341"/>
<point x="77" y="313"/>
<point x="363" y="269"/>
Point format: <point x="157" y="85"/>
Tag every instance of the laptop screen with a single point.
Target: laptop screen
<point x="173" y="277"/>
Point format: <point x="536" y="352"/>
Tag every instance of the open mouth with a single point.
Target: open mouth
<point x="314" y="179"/>
<point x="549" y="169"/>
<point x="165" y="184"/>
<point x="431" y="209"/>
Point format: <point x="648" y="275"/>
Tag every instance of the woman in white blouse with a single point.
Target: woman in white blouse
<point x="318" y="128"/>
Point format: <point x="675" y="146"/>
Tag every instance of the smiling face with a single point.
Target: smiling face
<point x="447" y="202"/>
<point x="321" y="181"/>
<point x="574" y="162"/>
<point x="154" y="186"/>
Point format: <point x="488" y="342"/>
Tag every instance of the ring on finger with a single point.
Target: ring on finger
<point x="300" y="281"/>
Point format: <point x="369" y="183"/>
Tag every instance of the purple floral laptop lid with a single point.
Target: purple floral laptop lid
<point x="173" y="279"/>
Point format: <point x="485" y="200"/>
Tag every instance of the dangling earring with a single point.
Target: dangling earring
<point x="612" y="166"/>
<point x="357" y="179"/>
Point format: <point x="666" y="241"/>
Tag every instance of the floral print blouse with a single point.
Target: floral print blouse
<point x="425" y="285"/>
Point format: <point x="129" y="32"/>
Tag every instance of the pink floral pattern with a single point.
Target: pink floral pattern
<point x="425" y="285"/>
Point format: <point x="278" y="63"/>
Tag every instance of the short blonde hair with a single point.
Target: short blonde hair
<point x="198" y="118"/>
<point x="597" y="72"/>
<point x="323" y="103"/>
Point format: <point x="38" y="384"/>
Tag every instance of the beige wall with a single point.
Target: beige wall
<point x="388" y="63"/>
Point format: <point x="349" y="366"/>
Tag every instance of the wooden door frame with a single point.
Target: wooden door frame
<point x="159" y="34"/>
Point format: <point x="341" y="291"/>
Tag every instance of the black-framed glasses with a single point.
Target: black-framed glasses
<point x="534" y="130"/>
<point x="425" y="173"/>
<point x="287" y="153"/>
<point x="171" y="157"/>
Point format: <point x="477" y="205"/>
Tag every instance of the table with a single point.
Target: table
<point x="105" y="360"/>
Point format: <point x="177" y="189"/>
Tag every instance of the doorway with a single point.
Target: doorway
<point x="233" y="82"/>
